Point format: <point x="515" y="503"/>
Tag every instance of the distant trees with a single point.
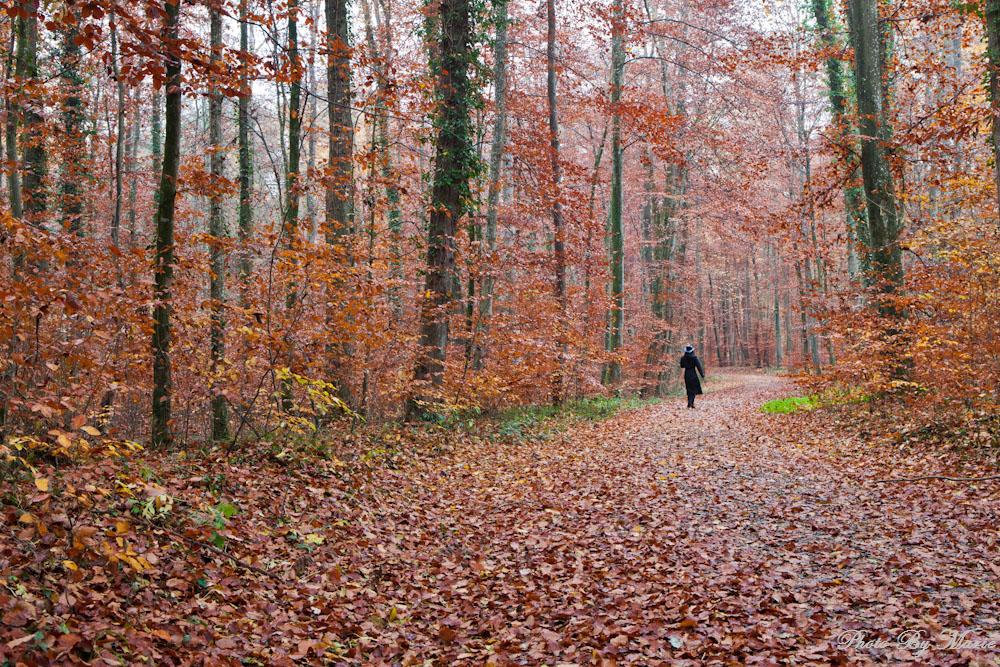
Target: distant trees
<point x="524" y="203"/>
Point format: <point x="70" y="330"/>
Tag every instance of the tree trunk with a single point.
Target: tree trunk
<point x="290" y="219"/>
<point x="883" y="211"/>
<point x="992" y="17"/>
<point x="340" y="182"/>
<point x="853" y="204"/>
<point x="116" y="218"/>
<point x="245" y="213"/>
<point x="496" y="168"/>
<point x="617" y="319"/>
<point x="217" y="233"/>
<point x="453" y="167"/>
<point x="163" y="277"/>
<point x="73" y="112"/>
<point x="558" y="230"/>
<point x="133" y="185"/>
<point x="10" y="146"/>
<point x="32" y="140"/>
<point x="340" y="185"/>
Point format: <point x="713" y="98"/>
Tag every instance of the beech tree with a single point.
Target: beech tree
<point x="163" y="275"/>
<point x="217" y="228"/>
<point x="454" y="165"/>
<point x="884" y="222"/>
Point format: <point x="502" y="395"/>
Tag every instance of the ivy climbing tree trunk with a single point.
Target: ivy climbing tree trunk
<point x="617" y="232"/>
<point x="217" y="232"/>
<point x="32" y="139"/>
<point x="454" y="165"/>
<point x="884" y="221"/>
<point x="163" y="277"/>
<point x="73" y="115"/>
<point x="558" y="228"/>
<point x="853" y="202"/>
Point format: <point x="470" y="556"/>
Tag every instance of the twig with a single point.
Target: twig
<point x="217" y="550"/>
<point x="941" y="477"/>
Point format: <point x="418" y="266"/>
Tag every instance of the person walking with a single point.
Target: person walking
<point x="692" y="367"/>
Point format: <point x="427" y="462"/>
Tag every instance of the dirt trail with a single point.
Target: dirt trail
<point x="669" y="536"/>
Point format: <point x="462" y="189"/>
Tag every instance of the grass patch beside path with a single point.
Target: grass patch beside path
<point x="546" y="420"/>
<point x="784" y="406"/>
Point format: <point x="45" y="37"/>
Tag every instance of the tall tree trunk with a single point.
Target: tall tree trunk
<point x="992" y="17"/>
<point x="495" y="176"/>
<point x="853" y="203"/>
<point x="340" y="182"/>
<point x="290" y="219"/>
<point x="884" y="221"/>
<point x="116" y="218"/>
<point x="13" y="111"/>
<point x="245" y="212"/>
<point x="453" y="167"/>
<point x="133" y="181"/>
<point x="313" y="100"/>
<point x="74" y="156"/>
<point x="163" y="278"/>
<point x="558" y="230"/>
<point x="32" y="140"/>
<point x="217" y="231"/>
<point x="617" y="319"/>
<point x="156" y="131"/>
<point x="340" y="185"/>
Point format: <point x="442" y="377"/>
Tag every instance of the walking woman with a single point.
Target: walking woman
<point x="692" y="367"/>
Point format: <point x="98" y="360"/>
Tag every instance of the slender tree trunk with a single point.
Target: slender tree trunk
<point x="116" y="218"/>
<point x="163" y="277"/>
<point x="245" y="212"/>
<point x="453" y="167"/>
<point x="311" y="218"/>
<point x="559" y="233"/>
<point x="495" y="176"/>
<point x="617" y="320"/>
<point x="133" y="184"/>
<point x="13" y="112"/>
<point x="217" y="232"/>
<point x="156" y="130"/>
<point x="992" y="17"/>
<point x="290" y="219"/>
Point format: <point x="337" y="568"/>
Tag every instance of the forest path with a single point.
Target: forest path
<point x="671" y="536"/>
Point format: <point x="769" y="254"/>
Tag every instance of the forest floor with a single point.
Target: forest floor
<point x="659" y="536"/>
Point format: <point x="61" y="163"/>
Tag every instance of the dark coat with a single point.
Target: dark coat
<point x="692" y="366"/>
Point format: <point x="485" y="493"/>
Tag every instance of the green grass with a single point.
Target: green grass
<point x="544" y="420"/>
<point x="784" y="406"/>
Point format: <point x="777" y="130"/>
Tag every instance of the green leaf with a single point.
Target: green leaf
<point x="227" y="509"/>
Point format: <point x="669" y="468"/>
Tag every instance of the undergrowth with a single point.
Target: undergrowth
<point x="546" y="420"/>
